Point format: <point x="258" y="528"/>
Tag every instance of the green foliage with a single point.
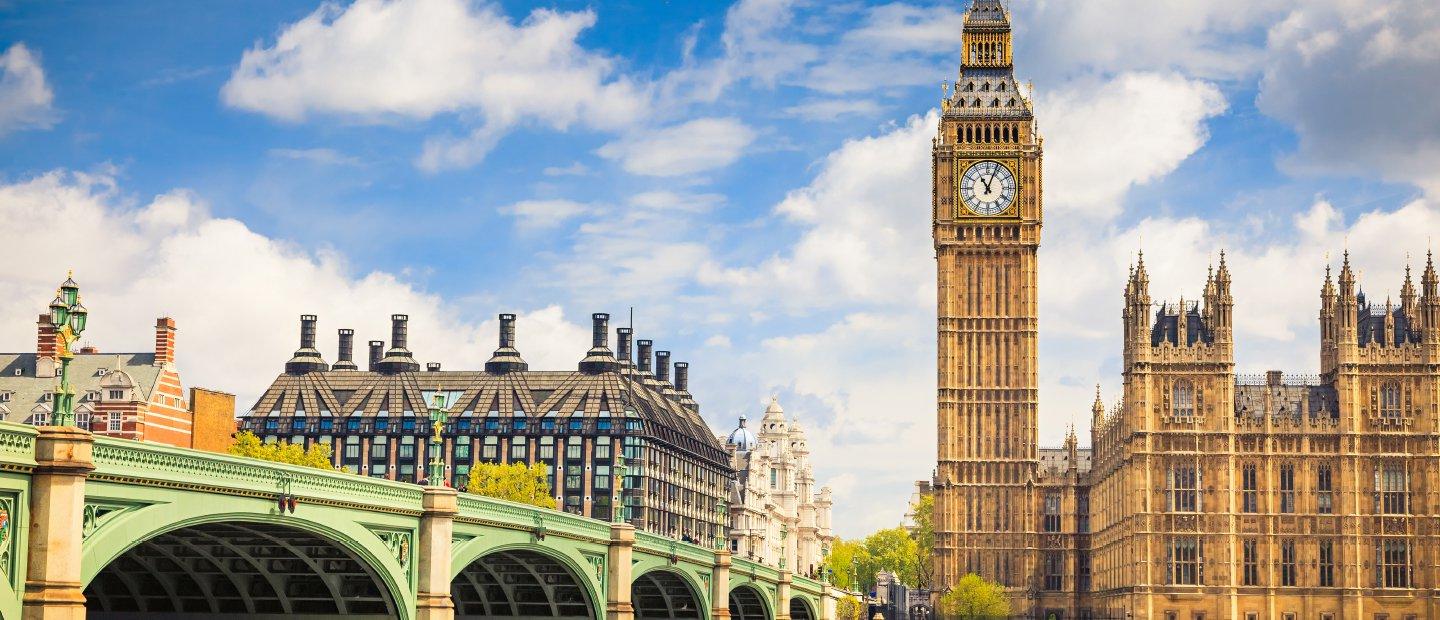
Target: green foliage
<point x="974" y="598"/>
<point x="924" y="535"/>
<point x="516" y="482"/>
<point x="849" y="608"/>
<point x="895" y="551"/>
<point x="846" y="556"/>
<point x="247" y="444"/>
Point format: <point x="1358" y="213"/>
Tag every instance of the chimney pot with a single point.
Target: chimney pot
<point x="307" y="331"/>
<point x="346" y="355"/>
<point x="306" y="358"/>
<point x="399" y="331"/>
<point x="432" y="367"/>
<point x="662" y="366"/>
<point x="1274" y="377"/>
<point x="507" y="331"/>
<point x="506" y="358"/>
<point x="599" y="359"/>
<point x="398" y="358"/>
<point x="643" y="354"/>
<point x="164" y="340"/>
<point x="377" y="351"/>
<point x="624" y="338"/>
<point x="682" y="376"/>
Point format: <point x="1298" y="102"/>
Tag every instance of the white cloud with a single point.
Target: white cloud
<point x="861" y="219"/>
<point x="575" y="169"/>
<point x="224" y="284"/>
<point x="1358" y="83"/>
<point x="695" y="146"/>
<point x="832" y="109"/>
<point x="25" y="96"/>
<point x="542" y="214"/>
<point x="1104" y="136"/>
<point x="377" y="59"/>
<point x="322" y="156"/>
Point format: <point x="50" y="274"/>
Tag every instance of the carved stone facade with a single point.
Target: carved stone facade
<point x="1206" y="494"/>
<point x="776" y="516"/>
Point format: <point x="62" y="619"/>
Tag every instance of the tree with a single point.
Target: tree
<point x="846" y="559"/>
<point x="974" y="598"/>
<point x="516" y="482"/>
<point x="924" y="535"/>
<point x="849" y="608"/>
<point x="247" y="444"/>
<point x="895" y="551"/>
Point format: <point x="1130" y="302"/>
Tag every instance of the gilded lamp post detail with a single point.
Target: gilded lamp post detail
<point x="68" y="317"/>
<point x="436" y="466"/>
<point x="617" y="511"/>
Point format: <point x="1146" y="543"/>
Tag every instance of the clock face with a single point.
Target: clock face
<point x="987" y="188"/>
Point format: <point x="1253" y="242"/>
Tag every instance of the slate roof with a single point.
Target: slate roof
<point x="17" y="378"/>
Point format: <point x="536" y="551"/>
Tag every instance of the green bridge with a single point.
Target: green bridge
<point x="110" y="528"/>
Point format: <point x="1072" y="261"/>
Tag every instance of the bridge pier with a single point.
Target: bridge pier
<point x="57" y="503"/>
<point x="437" y="524"/>
<point x="782" y="592"/>
<point x="619" y="573"/>
<point x="720" y="586"/>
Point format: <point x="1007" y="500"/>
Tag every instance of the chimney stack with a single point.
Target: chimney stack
<point x="346" y="359"/>
<point x="643" y="355"/>
<point x="398" y="359"/>
<point x="599" y="359"/>
<point x="432" y="367"/>
<point x="624" y="337"/>
<point x="377" y="351"/>
<point x="47" y="347"/>
<point x="506" y="357"/>
<point x="165" y="341"/>
<point x="662" y="366"/>
<point x="682" y="376"/>
<point x="307" y="357"/>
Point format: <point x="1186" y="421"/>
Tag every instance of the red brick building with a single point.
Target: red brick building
<point x="130" y="395"/>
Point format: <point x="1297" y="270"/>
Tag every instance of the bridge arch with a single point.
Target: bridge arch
<point x="522" y="579"/>
<point x="801" y="609"/>
<point x="749" y="603"/>
<point x="239" y="565"/>
<point x="666" y="593"/>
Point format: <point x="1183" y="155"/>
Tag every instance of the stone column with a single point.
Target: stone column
<point x="782" y="596"/>
<point x="618" y="573"/>
<point x="720" y="586"/>
<point x="57" y="502"/>
<point x="829" y="600"/>
<point x="437" y="523"/>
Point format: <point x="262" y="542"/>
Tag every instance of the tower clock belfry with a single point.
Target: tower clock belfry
<point x="986" y="211"/>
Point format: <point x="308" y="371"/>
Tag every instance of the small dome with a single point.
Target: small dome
<point x="117" y="379"/>
<point x="742" y="438"/>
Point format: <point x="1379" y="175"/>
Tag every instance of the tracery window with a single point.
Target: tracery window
<point x="1327" y="564"/>
<point x="1249" y="489"/>
<point x="1182" y="399"/>
<point x="1052" y="511"/>
<point x="1324" y="489"/>
<point x="1054" y="570"/>
<point x="1391" y="488"/>
<point x="1390" y="400"/>
<point x="1287" y="562"/>
<point x="1250" y="560"/>
<point x="1287" y="488"/>
<point x="1183" y="481"/>
<point x="1185" y="561"/>
<point x="1392" y="563"/>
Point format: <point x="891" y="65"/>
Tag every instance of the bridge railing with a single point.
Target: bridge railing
<point x="17" y="443"/>
<point x="140" y="462"/>
<point x="512" y="515"/>
<point x="667" y="547"/>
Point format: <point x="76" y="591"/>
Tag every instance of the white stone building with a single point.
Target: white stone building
<point x="776" y="515"/>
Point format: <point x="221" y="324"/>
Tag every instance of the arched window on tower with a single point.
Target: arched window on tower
<point x="995" y="103"/>
<point x="1182" y="399"/>
<point x="1390" y="400"/>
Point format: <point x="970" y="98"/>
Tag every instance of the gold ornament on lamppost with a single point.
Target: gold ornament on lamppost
<point x="67" y="316"/>
<point x="617" y="509"/>
<point x="784" y="550"/>
<point x="437" y="445"/>
<point x="721" y="514"/>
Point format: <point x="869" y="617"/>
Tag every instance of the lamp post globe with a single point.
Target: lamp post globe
<point x="78" y="314"/>
<point x="68" y="317"/>
<point x="59" y="311"/>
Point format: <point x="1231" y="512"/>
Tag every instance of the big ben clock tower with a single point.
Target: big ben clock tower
<point x="986" y="211"/>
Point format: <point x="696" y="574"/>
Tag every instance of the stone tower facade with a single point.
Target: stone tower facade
<point x="986" y="213"/>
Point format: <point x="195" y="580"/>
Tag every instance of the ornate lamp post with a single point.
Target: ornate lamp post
<point x="825" y="564"/>
<point x="617" y="511"/>
<point x="437" y="444"/>
<point x="721" y="517"/>
<point x="67" y="316"/>
<point x="784" y="550"/>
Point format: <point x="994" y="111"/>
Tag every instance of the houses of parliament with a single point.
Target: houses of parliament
<point x="1205" y="494"/>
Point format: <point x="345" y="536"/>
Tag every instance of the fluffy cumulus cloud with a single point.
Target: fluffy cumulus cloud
<point x="1358" y="83"/>
<point x="25" y="97"/>
<point x="223" y="284"/>
<point x="695" y="146"/>
<point x="1103" y="136"/>
<point x="378" y="59"/>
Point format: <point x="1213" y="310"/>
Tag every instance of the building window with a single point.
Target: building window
<point x="573" y="480"/>
<point x="1184" y="483"/>
<point x="547" y="448"/>
<point x="462" y="449"/>
<point x="602" y="448"/>
<point x="600" y="480"/>
<point x="774" y="477"/>
<point x="378" y="450"/>
<point x="1324" y="490"/>
<point x="407" y="448"/>
<point x="1327" y="564"/>
<point x="1183" y="396"/>
<point x="1250" y="561"/>
<point x="490" y="449"/>
<point x="1287" y="488"/>
<point x="1185" y="561"/>
<point x="1052" y="511"/>
<point x="113" y="421"/>
<point x="1390" y="400"/>
<point x="1054" y="570"/>
<point x="1287" y="562"/>
<point x="573" y="450"/>
<point x="1392" y="563"/>
<point x="117" y="394"/>
<point x="1082" y="572"/>
<point x="352" y="448"/>
<point x="1249" y="489"/>
<point x="518" y="450"/>
<point x="1082" y="512"/>
<point x="1391" y="488"/>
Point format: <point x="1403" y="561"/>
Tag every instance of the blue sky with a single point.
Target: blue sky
<point x="751" y="177"/>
